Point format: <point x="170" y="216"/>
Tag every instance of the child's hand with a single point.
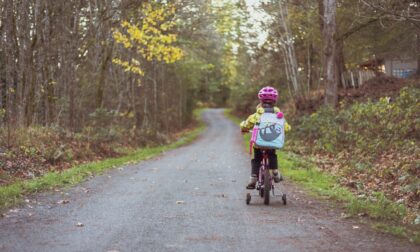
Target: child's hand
<point x="287" y="127"/>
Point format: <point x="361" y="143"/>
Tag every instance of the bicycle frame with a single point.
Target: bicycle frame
<point x="263" y="168"/>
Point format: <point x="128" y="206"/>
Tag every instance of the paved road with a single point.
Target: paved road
<point x="189" y="199"/>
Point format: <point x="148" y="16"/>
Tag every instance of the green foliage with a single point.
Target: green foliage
<point x="372" y="147"/>
<point x="103" y="127"/>
<point x="321" y="183"/>
<point x="377" y="206"/>
<point x="413" y="236"/>
<point x="245" y="98"/>
<point x="210" y="68"/>
<point x="365" y="128"/>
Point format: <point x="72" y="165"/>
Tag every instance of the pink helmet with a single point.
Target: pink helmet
<point x="268" y="94"/>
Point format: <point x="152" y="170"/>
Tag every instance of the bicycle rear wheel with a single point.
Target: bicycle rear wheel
<point x="267" y="187"/>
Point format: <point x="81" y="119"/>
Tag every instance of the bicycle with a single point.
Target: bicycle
<point x="265" y="183"/>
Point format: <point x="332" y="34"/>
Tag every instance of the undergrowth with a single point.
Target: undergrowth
<point x="381" y="210"/>
<point x="13" y="193"/>
<point x="372" y="147"/>
<point x="34" y="151"/>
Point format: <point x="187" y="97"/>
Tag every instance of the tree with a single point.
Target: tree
<point x="56" y="64"/>
<point x="289" y="55"/>
<point x="329" y="33"/>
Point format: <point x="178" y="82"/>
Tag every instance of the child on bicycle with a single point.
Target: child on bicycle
<point x="268" y="97"/>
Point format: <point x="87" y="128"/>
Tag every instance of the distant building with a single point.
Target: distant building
<point x="401" y="68"/>
<point x="397" y="67"/>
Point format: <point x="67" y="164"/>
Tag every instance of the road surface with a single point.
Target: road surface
<point x="188" y="199"/>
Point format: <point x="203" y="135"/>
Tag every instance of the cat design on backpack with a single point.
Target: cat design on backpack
<point x="269" y="132"/>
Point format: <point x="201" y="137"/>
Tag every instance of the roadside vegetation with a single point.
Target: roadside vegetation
<point x="35" y="151"/>
<point x="14" y="192"/>
<point x="365" y="155"/>
<point x="373" y="147"/>
<point x="377" y="210"/>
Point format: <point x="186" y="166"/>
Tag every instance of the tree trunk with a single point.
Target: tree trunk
<point x="339" y="61"/>
<point x="322" y="69"/>
<point x="330" y="52"/>
<point x="102" y="77"/>
<point x="310" y="61"/>
<point x="2" y="53"/>
<point x="9" y="59"/>
<point x="289" y="51"/>
<point x="418" y="52"/>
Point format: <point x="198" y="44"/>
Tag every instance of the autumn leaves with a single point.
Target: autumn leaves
<point x="149" y="38"/>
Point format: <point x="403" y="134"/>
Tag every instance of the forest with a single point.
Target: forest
<point x="85" y="80"/>
<point x="140" y="64"/>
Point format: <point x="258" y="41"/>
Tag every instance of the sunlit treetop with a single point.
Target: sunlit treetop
<point x="150" y="37"/>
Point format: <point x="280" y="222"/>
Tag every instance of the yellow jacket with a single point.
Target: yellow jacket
<point x="249" y="123"/>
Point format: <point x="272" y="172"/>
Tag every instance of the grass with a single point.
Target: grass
<point x="12" y="194"/>
<point x="383" y="212"/>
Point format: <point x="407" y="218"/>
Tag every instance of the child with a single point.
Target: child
<point x="268" y="97"/>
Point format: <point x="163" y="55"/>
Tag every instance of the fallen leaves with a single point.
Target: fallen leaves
<point x="64" y="201"/>
<point x="344" y="216"/>
<point x="417" y="220"/>
<point x="371" y="162"/>
<point x="47" y="149"/>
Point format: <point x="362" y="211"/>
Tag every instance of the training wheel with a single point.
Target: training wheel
<point x="283" y="197"/>
<point x="248" y="198"/>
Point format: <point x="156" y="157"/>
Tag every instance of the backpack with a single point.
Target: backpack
<point x="269" y="132"/>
